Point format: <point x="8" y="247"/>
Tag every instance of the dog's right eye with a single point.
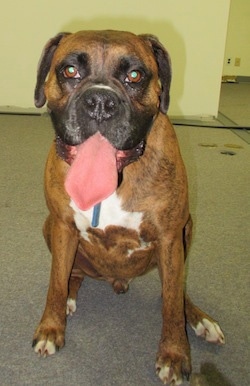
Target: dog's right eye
<point x="71" y="72"/>
<point x="134" y="76"/>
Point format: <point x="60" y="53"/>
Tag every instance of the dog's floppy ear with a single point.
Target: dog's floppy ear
<point x="44" y="67"/>
<point x="164" y="68"/>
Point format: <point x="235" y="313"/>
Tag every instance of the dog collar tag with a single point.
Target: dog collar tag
<point x="96" y="215"/>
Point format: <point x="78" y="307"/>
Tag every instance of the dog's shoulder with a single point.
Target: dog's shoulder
<point x="55" y="172"/>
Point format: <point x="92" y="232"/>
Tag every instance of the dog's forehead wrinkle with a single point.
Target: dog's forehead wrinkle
<point x="106" y="36"/>
<point x="105" y="49"/>
<point x="101" y="86"/>
<point x="76" y="56"/>
<point x="103" y="41"/>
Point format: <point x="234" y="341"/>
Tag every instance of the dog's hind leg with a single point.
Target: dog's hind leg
<point x="50" y="333"/>
<point x="187" y="235"/>
<point x="47" y="231"/>
<point x="75" y="281"/>
<point x="76" y="276"/>
<point x="203" y="325"/>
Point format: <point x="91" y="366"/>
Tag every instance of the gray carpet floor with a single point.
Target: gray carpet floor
<point x="112" y="340"/>
<point x="235" y="102"/>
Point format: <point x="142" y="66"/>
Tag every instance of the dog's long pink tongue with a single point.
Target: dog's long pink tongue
<point x="93" y="175"/>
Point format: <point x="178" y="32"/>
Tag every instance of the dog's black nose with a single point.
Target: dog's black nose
<point x="100" y="103"/>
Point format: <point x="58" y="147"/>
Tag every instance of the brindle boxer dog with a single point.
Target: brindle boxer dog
<point x="115" y="184"/>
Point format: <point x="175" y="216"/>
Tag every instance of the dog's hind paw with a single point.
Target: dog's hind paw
<point x="210" y="331"/>
<point x="71" y="306"/>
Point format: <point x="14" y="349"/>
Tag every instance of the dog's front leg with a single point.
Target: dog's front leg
<point x="49" y="335"/>
<point x="173" y="359"/>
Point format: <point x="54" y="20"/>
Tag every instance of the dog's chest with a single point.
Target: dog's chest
<point x="115" y="248"/>
<point x="111" y="214"/>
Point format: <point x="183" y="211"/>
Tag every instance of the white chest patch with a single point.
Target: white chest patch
<point x="111" y="213"/>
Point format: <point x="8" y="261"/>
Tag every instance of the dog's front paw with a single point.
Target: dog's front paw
<point x="48" y="340"/>
<point x="173" y="365"/>
<point x="172" y="372"/>
<point x="44" y="348"/>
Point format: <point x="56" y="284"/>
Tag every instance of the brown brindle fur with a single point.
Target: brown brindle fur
<point x="155" y="185"/>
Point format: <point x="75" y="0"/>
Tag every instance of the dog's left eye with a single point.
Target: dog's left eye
<point x="71" y="72"/>
<point x="134" y="76"/>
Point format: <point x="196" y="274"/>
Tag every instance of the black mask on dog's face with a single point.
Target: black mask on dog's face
<point x="119" y="96"/>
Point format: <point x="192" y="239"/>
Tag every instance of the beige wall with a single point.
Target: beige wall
<point x="238" y="39"/>
<point x="194" y="31"/>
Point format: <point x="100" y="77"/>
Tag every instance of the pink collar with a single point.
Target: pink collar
<point x="66" y="152"/>
<point x="124" y="157"/>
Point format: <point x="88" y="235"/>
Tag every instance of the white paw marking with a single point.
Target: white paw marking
<point x="71" y="306"/>
<point x="45" y="348"/>
<point x="144" y="245"/>
<point x="210" y="331"/>
<point x="167" y="376"/>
